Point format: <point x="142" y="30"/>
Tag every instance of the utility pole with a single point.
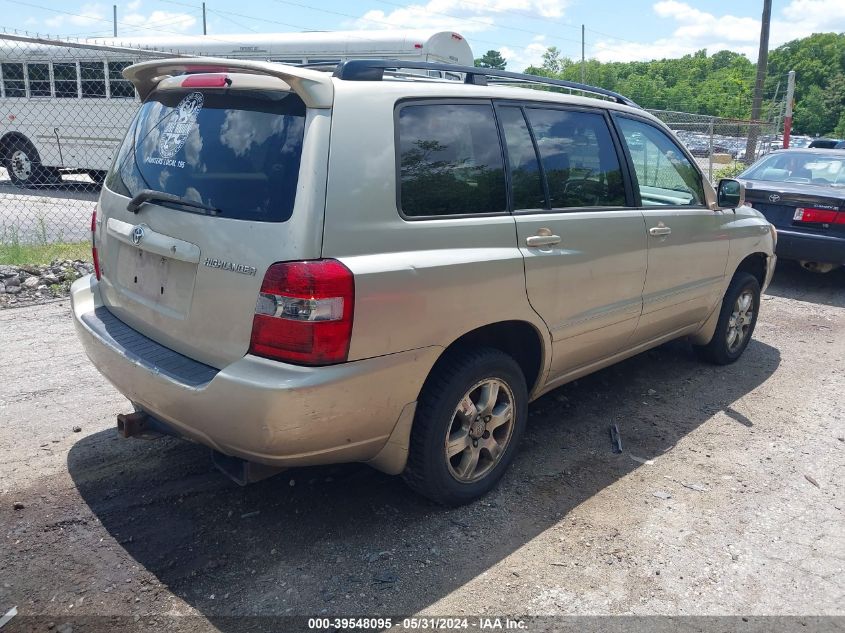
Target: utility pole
<point x="204" y="32"/>
<point x="787" y="120"/>
<point x="762" y="64"/>
<point x="114" y="18"/>
<point x="583" y="69"/>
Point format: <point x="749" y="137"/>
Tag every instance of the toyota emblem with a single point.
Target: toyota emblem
<point x="137" y="235"/>
<point x="774" y="197"/>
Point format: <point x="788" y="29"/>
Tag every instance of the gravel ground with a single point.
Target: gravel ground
<point x="727" y="499"/>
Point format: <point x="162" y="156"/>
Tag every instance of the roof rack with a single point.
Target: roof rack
<point x="374" y="69"/>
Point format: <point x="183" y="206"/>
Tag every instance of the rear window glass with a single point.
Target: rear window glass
<point x="235" y="151"/>
<point x="450" y="160"/>
<point x="807" y="168"/>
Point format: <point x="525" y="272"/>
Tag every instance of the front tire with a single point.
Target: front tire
<point x="737" y="319"/>
<point x="470" y="417"/>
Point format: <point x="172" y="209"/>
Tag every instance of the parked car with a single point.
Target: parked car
<point x="299" y="268"/>
<point x="825" y="143"/>
<point x="802" y="192"/>
<point x="799" y="142"/>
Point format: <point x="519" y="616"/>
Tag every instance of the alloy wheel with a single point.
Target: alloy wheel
<point x="480" y="431"/>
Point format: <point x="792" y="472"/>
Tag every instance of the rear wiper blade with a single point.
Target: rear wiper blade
<point x="151" y="195"/>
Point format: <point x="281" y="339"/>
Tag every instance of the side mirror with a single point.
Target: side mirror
<point x="730" y="194"/>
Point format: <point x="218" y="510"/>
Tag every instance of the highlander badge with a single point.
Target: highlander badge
<point x="224" y="265"/>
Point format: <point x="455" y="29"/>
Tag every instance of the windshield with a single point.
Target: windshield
<point x="810" y="168"/>
<point x="236" y="151"/>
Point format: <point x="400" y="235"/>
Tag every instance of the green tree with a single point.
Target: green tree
<point x="721" y="84"/>
<point x="491" y="59"/>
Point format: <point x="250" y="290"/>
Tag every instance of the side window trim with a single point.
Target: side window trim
<point x="397" y="108"/>
<point x="630" y="161"/>
<point x="631" y="194"/>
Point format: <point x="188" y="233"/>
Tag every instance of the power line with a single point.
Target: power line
<point x="244" y="16"/>
<point x="91" y="18"/>
<point x="240" y="24"/>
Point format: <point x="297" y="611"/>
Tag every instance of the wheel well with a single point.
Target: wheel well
<point x="518" y="339"/>
<point x="7" y="141"/>
<point x="754" y="264"/>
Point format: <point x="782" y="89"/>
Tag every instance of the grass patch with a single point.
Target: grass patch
<point x="18" y="254"/>
<point x="38" y="246"/>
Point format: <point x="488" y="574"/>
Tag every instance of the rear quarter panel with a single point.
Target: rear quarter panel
<point x="417" y="282"/>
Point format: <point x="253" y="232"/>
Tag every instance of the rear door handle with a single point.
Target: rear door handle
<point x="660" y="230"/>
<point x="542" y="240"/>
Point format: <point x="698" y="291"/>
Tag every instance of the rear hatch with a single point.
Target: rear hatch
<point x="227" y="173"/>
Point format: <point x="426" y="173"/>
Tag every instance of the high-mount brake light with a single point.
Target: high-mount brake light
<point x="94" y="255"/>
<point x="304" y="313"/>
<point x="206" y="80"/>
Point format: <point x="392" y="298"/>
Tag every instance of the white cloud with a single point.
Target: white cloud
<point x="521" y="58"/>
<point x="134" y="5"/>
<point x="696" y="29"/>
<point x="816" y="14"/>
<point x="459" y="15"/>
<point x="88" y="15"/>
<point x="163" y="20"/>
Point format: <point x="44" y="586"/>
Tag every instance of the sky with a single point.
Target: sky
<point x="616" y="30"/>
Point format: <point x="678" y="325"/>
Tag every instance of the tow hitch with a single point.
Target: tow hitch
<point x="242" y="472"/>
<point x="141" y="425"/>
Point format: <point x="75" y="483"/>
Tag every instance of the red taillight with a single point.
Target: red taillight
<point x="818" y="216"/>
<point x="206" y="80"/>
<point x="304" y="313"/>
<point x="94" y="255"/>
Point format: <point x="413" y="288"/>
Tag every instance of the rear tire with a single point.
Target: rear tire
<point x="24" y="165"/>
<point x="470" y="417"/>
<point x="737" y="318"/>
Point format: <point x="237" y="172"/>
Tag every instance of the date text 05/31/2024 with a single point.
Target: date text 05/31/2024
<point x="419" y="623"/>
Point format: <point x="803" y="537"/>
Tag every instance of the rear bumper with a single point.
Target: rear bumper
<point x="256" y="409"/>
<point x="824" y="249"/>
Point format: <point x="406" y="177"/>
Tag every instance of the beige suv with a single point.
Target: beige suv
<point x="295" y="267"/>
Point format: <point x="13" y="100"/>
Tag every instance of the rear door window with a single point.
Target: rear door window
<point x="579" y="158"/>
<point x="450" y="160"/>
<point x="236" y="151"/>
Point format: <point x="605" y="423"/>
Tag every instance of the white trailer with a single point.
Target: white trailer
<point x="65" y="106"/>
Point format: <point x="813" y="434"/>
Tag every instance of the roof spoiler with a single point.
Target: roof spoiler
<point x="315" y="88"/>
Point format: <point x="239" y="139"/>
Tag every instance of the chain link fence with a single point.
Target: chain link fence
<point x="722" y="145"/>
<point x="64" y="108"/>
